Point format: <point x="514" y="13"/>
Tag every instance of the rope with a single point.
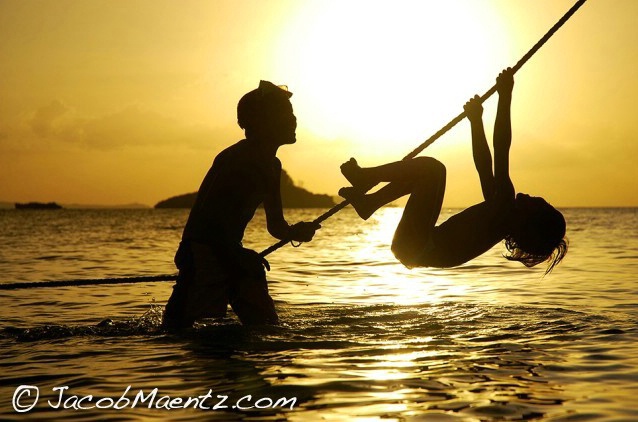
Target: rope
<point x="492" y="90"/>
<point x="452" y="122"/>
<point x="86" y="282"/>
<point x="331" y="211"/>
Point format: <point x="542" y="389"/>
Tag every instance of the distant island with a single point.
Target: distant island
<point x="37" y="206"/>
<point x="291" y="196"/>
<point x="129" y="206"/>
<point x="6" y="205"/>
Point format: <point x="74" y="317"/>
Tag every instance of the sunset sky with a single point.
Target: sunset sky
<point x="112" y="102"/>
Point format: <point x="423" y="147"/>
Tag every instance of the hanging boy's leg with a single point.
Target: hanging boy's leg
<point x="423" y="178"/>
<point x="413" y="238"/>
<point x="405" y="177"/>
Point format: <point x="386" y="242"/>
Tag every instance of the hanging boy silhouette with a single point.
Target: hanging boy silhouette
<point x="533" y="230"/>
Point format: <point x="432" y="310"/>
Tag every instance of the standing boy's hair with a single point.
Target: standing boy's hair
<point x="252" y="105"/>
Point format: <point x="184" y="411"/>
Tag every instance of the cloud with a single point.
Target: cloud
<point x="130" y="126"/>
<point x="46" y="118"/>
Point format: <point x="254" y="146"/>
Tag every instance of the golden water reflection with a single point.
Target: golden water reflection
<point x="406" y="342"/>
<point x="382" y="279"/>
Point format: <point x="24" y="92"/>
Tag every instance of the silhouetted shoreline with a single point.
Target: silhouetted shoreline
<point x="7" y="205"/>
<point x="37" y="206"/>
<point x="292" y="196"/>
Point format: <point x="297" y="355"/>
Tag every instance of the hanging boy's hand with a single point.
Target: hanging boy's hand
<point x="303" y="231"/>
<point x="505" y="82"/>
<point x="474" y="109"/>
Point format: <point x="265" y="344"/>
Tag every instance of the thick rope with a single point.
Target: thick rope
<point x="87" y="282"/>
<point x="452" y="122"/>
<point x="331" y="211"/>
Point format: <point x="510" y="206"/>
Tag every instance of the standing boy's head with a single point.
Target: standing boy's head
<point x="266" y="114"/>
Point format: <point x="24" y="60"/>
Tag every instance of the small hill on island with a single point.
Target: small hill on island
<point x="292" y="196"/>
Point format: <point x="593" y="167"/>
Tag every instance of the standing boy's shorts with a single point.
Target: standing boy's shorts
<point x="205" y="287"/>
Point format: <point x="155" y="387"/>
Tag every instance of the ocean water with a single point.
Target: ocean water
<point x="362" y="338"/>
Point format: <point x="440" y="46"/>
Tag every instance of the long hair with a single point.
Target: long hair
<point x="539" y="238"/>
<point x="530" y="259"/>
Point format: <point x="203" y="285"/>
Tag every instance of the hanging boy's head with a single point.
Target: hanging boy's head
<point x="266" y="113"/>
<point x="537" y="234"/>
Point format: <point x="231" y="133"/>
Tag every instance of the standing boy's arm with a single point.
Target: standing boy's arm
<point x="277" y="225"/>
<point x="503" y="134"/>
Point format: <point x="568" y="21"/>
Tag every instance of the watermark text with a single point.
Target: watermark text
<point x="27" y="397"/>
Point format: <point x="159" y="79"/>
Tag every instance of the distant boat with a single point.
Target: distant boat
<point x="38" y="206"/>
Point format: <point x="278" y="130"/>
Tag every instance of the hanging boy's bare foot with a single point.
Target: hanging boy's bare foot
<point x="354" y="174"/>
<point x="358" y="200"/>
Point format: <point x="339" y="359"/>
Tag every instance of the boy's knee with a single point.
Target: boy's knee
<point x="408" y="255"/>
<point x="431" y="167"/>
<point x="438" y="168"/>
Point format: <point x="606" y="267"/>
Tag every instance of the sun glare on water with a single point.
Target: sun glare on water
<point x="387" y="280"/>
<point x="378" y="74"/>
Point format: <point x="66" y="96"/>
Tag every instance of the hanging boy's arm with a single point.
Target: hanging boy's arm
<point x="480" y="149"/>
<point x="503" y="134"/>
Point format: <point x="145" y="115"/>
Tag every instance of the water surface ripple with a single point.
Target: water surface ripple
<point x="362" y="337"/>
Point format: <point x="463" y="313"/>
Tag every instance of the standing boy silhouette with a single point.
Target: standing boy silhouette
<point x="214" y="268"/>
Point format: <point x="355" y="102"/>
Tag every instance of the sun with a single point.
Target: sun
<point x="383" y="74"/>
